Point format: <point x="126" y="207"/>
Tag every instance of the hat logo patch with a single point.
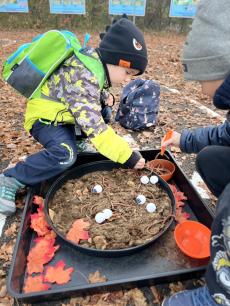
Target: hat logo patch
<point x="137" y="45"/>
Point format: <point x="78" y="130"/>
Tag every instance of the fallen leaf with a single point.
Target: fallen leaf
<point x="47" y="236"/>
<point x="40" y="255"/>
<point x="35" y="284"/>
<point x="39" y="223"/>
<point x="51" y="214"/>
<point x="78" y="192"/>
<point x="137" y="297"/>
<point x="177" y="150"/>
<point x="181" y="217"/>
<point x="12" y="230"/>
<point x="173" y="188"/>
<point x="57" y="274"/>
<point x="176" y="288"/>
<point x="39" y="201"/>
<point x="100" y="242"/>
<point x="96" y="278"/>
<point x="76" y="232"/>
<point x="3" y="291"/>
<point x="85" y="191"/>
<point x="157" y="294"/>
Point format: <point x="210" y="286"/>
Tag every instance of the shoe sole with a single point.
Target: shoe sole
<point x="6" y="210"/>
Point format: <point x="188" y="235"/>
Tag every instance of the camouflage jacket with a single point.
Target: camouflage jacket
<point x="77" y="93"/>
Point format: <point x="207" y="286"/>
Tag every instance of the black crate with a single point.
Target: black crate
<point x="161" y="262"/>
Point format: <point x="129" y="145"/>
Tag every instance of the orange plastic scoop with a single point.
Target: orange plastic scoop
<point x="167" y="137"/>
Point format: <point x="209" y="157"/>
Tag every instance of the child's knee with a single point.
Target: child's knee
<point x="69" y="156"/>
<point x="204" y="156"/>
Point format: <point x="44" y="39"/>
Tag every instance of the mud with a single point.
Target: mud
<point x="128" y="225"/>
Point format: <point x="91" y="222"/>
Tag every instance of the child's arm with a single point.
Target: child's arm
<point x="79" y="90"/>
<point x="110" y="101"/>
<point x="195" y="141"/>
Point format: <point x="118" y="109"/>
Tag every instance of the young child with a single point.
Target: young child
<point x="72" y="93"/>
<point x="206" y="58"/>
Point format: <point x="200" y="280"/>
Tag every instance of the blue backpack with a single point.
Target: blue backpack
<point x="139" y="105"/>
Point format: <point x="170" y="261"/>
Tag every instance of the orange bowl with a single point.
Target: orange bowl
<point x="193" y="238"/>
<point x="167" y="164"/>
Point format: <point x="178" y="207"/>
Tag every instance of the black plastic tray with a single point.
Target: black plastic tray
<point x="161" y="262"/>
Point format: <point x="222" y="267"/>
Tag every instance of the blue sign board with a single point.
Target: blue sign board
<point x="183" y="8"/>
<point x="20" y="6"/>
<point x="120" y="7"/>
<point x="67" y="6"/>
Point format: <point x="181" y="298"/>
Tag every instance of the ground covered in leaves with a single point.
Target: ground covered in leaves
<point x="177" y="111"/>
<point x="128" y="226"/>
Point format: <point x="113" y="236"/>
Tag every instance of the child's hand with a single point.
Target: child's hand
<point x="109" y="102"/>
<point x="174" y="140"/>
<point x="140" y="164"/>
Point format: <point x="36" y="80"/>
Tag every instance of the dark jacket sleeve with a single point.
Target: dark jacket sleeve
<point x="195" y="141"/>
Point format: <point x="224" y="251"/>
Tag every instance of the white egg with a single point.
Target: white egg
<point x="144" y="179"/>
<point x="151" y="207"/>
<point x="154" y="179"/>
<point x="107" y="213"/>
<point x="141" y="199"/>
<point x="97" y="189"/>
<point x="100" y="217"/>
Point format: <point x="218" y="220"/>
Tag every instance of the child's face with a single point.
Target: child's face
<point x="120" y="75"/>
<point x="209" y="87"/>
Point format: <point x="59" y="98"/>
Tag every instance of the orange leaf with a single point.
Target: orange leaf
<point x="57" y="274"/>
<point x="39" y="201"/>
<point x="180" y="195"/>
<point x="173" y="188"/>
<point x="181" y="217"/>
<point x="50" y="234"/>
<point x="47" y="243"/>
<point x="39" y="223"/>
<point x="76" y="232"/>
<point x="35" y="284"/>
<point x="40" y="255"/>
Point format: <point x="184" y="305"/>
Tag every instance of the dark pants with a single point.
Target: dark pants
<point x="213" y="164"/>
<point x="60" y="154"/>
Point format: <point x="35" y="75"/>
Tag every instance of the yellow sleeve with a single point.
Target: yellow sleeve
<point x="112" y="146"/>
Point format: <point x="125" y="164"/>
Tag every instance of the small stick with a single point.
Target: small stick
<point x="82" y="275"/>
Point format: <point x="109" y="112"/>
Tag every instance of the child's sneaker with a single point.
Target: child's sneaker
<point x="8" y="188"/>
<point x="82" y="147"/>
<point x="196" y="297"/>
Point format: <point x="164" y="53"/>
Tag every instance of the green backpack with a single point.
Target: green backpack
<point x="28" y="68"/>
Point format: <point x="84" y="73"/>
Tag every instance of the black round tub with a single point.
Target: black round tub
<point x="80" y="171"/>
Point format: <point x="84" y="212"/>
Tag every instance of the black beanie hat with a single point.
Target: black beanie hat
<point x="123" y="45"/>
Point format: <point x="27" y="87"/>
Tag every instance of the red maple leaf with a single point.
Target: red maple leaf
<point x="173" y="188"/>
<point x="76" y="232"/>
<point x="180" y="195"/>
<point x="178" y="202"/>
<point x="39" y="201"/>
<point x="35" y="284"/>
<point x="42" y="253"/>
<point x="181" y="217"/>
<point x="47" y="236"/>
<point x="57" y="274"/>
<point x="39" y="223"/>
